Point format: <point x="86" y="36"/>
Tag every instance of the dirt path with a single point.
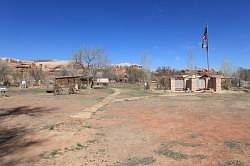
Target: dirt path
<point x="87" y="112"/>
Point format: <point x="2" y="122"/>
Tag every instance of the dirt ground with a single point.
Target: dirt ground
<point x="202" y="129"/>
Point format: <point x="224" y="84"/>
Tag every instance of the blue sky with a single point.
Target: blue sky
<point x="165" y="29"/>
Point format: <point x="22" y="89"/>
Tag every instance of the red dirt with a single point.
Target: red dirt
<point x="181" y="130"/>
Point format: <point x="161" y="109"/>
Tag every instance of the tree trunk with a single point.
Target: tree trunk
<point x="88" y="80"/>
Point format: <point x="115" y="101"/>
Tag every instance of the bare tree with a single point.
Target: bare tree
<point x="37" y="74"/>
<point x="89" y="59"/>
<point x="67" y="70"/>
<point x="64" y="72"/>
<point x="145" y="61"/>
<point x="244" y="74"/>
<point x="135" y="74"/>
<point x="190" y="60"/>
<point x="228" y="71"/>
<point x="17" y="77"/>
<point x="227" y="68"/>
<point x="102" y="60"/>
<point x="164" y="83"/>
<point x="146" y="67"/>
<point x="167" y="71"/>
<point x="4" y="72"/>
<point x="109" y="73"/>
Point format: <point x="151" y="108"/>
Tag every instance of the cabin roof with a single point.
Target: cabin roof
<point x="62" y="77"/>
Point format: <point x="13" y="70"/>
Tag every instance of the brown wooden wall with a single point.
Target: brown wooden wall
<point x="67" y="82"/>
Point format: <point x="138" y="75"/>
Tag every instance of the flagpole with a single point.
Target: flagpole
<point x="207" y="52"/>
<point x="207" y="61"/>
<point x="205" y="44"/>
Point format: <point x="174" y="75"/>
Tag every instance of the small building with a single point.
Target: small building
<point x="104" y="81"/>
<point x="68" y="81"/>
<point x="101" y="82"/>
<point x="196" y="83"/>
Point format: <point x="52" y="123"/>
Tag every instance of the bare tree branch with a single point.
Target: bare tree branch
<point x="90" y="59"/>
<point x="4" y="72"/>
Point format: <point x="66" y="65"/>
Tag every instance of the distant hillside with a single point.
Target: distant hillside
<point x="43" y="60"/>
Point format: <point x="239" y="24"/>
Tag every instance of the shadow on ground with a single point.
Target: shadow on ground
<point x="31" y="111"/>
<point x="13" y="140"/>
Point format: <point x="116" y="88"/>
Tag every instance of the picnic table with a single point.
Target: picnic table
<point x="3" y="90"/>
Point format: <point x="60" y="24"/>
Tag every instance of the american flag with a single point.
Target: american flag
<point x="205" y="39"/>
